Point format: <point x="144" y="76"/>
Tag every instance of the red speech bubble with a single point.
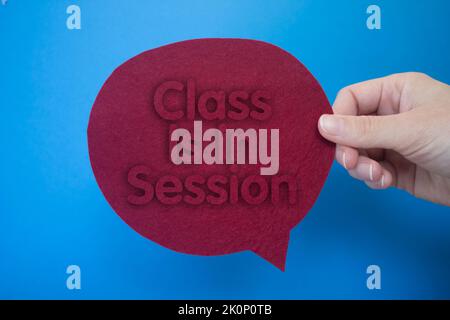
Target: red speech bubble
<point x="210" y="146"/>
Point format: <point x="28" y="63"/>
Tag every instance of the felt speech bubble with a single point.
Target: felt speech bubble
<point x="210" y="146"/>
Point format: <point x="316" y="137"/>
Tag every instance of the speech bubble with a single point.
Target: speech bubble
<point x="210" y="146"/>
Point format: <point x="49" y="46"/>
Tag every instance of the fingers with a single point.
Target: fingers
<point x="346" y="156"/>
<point x="373" y="114"/>
<point x="386" y="132"/>
<point x="378" y="96"/>
<point x="373" y="117"/>
<point x="387" y="179"/>
<point x="377" y="175"/>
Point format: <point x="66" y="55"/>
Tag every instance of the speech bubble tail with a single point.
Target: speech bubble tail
<point x="273" y="249"/>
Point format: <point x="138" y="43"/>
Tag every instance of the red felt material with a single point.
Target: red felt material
<point x="125" y="131"/>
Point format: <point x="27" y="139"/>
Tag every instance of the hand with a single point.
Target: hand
<point x="394" y="131"/>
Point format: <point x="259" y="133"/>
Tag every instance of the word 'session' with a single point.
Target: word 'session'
<point x="190" y="143"/>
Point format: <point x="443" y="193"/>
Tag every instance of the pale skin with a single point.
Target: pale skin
<point x="394" y="131"/>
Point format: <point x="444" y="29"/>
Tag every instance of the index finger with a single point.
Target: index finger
<point x="378" y="96"/>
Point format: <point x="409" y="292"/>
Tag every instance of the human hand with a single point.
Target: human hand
<point x="394" y="131"/>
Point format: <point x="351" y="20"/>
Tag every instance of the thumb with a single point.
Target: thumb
<point x="387" y="132"/>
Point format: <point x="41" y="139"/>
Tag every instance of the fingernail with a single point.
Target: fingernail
<point x="371" y="172"/>
<point x="330" y="124"/>
<point x="344" y="160"/>
<point x="382" y="181"/>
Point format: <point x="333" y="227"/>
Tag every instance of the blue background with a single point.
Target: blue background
<point x="52" y="213"/>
